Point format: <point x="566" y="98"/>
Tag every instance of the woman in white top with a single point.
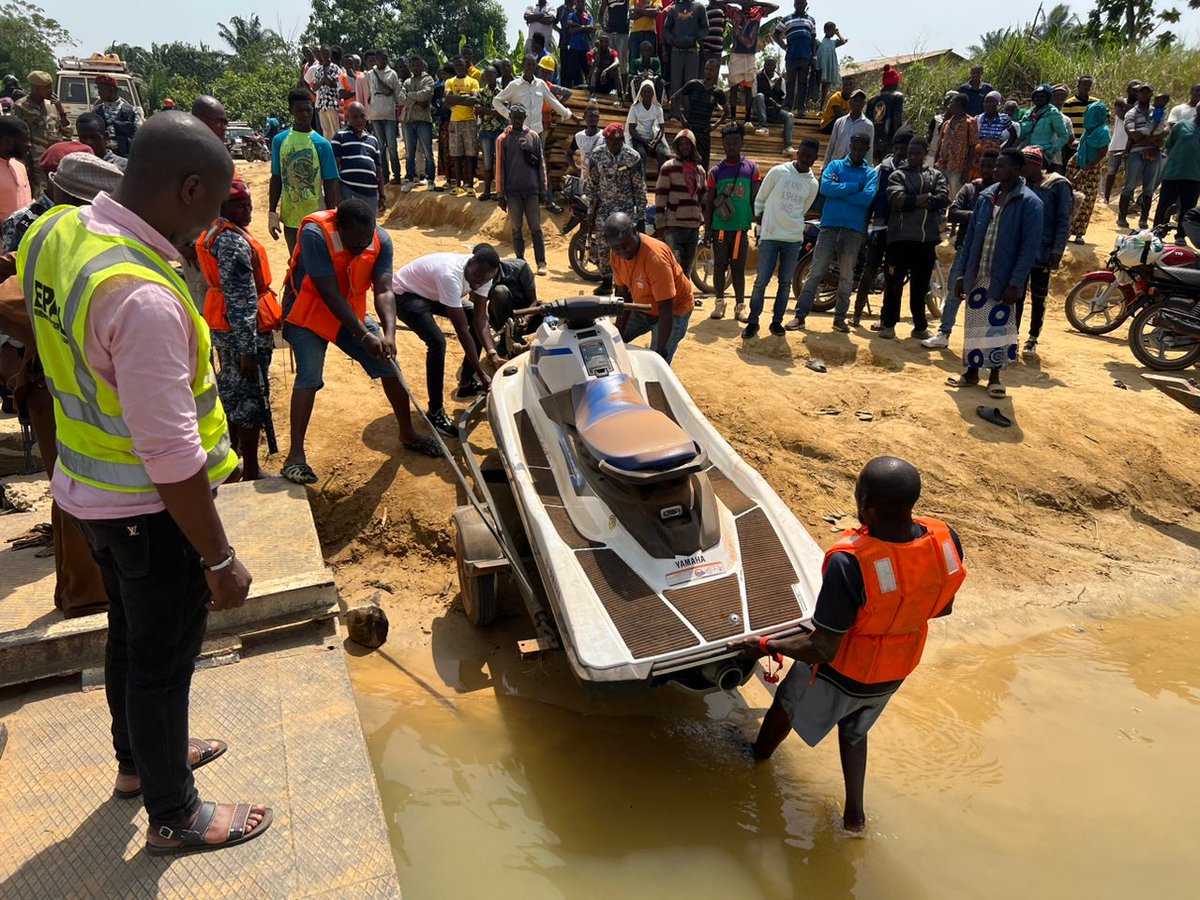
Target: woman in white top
<point x="1117" y="148"/>
<point x="645" y="125"/>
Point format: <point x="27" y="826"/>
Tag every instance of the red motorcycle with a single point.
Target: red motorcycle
<point x="1101" y="301"/>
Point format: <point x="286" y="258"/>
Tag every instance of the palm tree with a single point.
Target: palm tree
<point x="243" y="34"/>
<point x="989" y="41"/>
<point x="1056" y="24"/>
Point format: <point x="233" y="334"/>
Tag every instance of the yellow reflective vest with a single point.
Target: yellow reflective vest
<point x="61" y="265"/>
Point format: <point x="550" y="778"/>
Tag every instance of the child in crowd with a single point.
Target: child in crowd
<point x="827" y="61"/>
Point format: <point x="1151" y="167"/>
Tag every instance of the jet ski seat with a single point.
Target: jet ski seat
<point x="618" y="427"/>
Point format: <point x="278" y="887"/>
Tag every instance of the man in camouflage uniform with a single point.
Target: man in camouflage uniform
<point x="48" y="124"/>
<point x="617" y="183"/>
<point x="243" y="351"/>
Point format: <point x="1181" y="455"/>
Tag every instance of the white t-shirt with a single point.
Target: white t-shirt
<point x="646" y="120"/>
<point x="1120" y="140"/>
<point x="547" y="31"/>
<point x="438" y="276"/>
<point x="1184" y="112"/>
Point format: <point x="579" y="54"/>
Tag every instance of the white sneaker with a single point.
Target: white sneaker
<point x="762" y="130"/>
<point x="541" y="270"/>
<point x="939" y="341"/>
<point x="406" y="187"/>
<point x="739" y="312"/>
<point x="790" y="151"/>
<point x="1029" y="351"/>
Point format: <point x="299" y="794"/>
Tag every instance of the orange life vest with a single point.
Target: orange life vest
<point x="270" y="316"/>
<point x="355" y="276"/>
<point x="906" y="586"/>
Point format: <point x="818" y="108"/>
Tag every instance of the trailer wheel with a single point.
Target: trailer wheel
<point x="473" y="543"/>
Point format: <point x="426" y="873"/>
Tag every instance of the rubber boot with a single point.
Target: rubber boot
<point x="718" y="311"/>
<point x="604" y="288"/>
<point x="1123" y="211"/>
<point x="1144" y="222"/>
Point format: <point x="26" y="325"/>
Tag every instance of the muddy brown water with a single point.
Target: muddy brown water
<point x="1062" y="765"/>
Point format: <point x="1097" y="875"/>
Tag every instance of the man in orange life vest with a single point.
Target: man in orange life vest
<point x="340" y="255"/>
<point x="242" y="311"/>
<point x="882" y="583"/>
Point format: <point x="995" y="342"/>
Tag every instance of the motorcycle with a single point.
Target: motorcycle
<point x="580" y="254"/>
<point x="826" y="297"/>
<point x="1165" y="333"/>
<point x="1102" y="300"/>
<point x="255" y="148"/>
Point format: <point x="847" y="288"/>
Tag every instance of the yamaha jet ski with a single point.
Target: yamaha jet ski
<point x="641" y="542"/>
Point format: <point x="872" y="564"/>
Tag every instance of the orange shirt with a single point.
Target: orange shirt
<point x="654" y="275"/>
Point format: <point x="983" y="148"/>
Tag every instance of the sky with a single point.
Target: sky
<point x="876" y="30"/>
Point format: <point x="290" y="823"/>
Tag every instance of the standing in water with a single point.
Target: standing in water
<point x="881" y="585"/>
<point x="728" y="213"/>
<point x="998" y="253"/>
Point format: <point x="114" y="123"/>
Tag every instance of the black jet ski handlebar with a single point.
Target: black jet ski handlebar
<point x="582" y="308"/>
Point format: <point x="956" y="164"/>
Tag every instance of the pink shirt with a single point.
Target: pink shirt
<point x="14" y="187"/>
<point x="141" y="343"/>
<point x="362" y="93"/>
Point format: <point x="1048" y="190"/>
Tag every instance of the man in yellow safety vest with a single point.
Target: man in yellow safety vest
<point x="142" y="444"/>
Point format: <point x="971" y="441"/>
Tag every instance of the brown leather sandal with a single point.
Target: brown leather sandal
<point x="191" y="838"/>
<point x="207" y="755"/>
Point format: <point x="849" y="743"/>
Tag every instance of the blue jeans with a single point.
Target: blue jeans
<point x="310" y="348"/>
<point x="844" y="243"/>
<point x="487" y="142"/>
<point x="787" y="254"/>
<point x="385" y="131"/>
<point x="1139" y="171"/>
<point x="423" y="132"/>
<point x="639" y="323"/>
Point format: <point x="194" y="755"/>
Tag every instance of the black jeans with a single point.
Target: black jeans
<point x="703" y="133"/>
<point x="683" y="243"/>
<point x="526" y="209"/>
<point x="729" y="256"/>
<point x="1172" y="191"/>
<point x="914" y="259"/>
<point x="417" y="313"/>
<point x="156" y="620"/>
<point x="876" y="249"/>
<point x="1039" y="287"/>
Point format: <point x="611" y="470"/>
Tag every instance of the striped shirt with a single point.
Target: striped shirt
<point x="677" y="195"/>
<point x="715" y="42"/>
<point x="1074" y="109"/>
<point x="357" y="159"/>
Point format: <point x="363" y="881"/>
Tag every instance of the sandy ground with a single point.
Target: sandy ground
<point x="1088" y="504"/>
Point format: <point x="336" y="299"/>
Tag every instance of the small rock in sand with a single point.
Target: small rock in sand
<point x="367" y="625"/>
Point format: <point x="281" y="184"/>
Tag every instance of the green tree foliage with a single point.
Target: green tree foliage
<point x="404" y="26"/>
<point x="28" y="38"/>
<point x="1133" y="22"/>
<point x="252" y="81"/>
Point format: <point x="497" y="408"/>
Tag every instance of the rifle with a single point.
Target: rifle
<point x="265" y="395"/>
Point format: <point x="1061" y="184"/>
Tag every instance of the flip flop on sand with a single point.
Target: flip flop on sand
<point x="960" y="381"/>
<point x="299" y="473"/>
<point x="997" y="391"/>
<point x="993" y="415"/>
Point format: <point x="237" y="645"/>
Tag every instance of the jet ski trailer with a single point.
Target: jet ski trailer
<point x="639" y="539"/>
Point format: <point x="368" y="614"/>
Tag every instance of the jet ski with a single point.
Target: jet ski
<point x="641" y="542"/>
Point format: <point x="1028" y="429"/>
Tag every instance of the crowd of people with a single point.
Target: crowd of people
<point x="137" y="425"/>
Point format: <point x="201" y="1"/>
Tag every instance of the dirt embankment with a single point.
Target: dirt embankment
<point x="1088" y="502"/>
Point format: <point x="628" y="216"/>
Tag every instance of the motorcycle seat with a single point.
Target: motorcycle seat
<point x="1184" y="275"/>
<point x="617" y="426"/>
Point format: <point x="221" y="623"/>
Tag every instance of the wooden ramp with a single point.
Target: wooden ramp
<point x="269" y="522"/>
<point x="1183" y="390"/>
<point x="766" y="150"/>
